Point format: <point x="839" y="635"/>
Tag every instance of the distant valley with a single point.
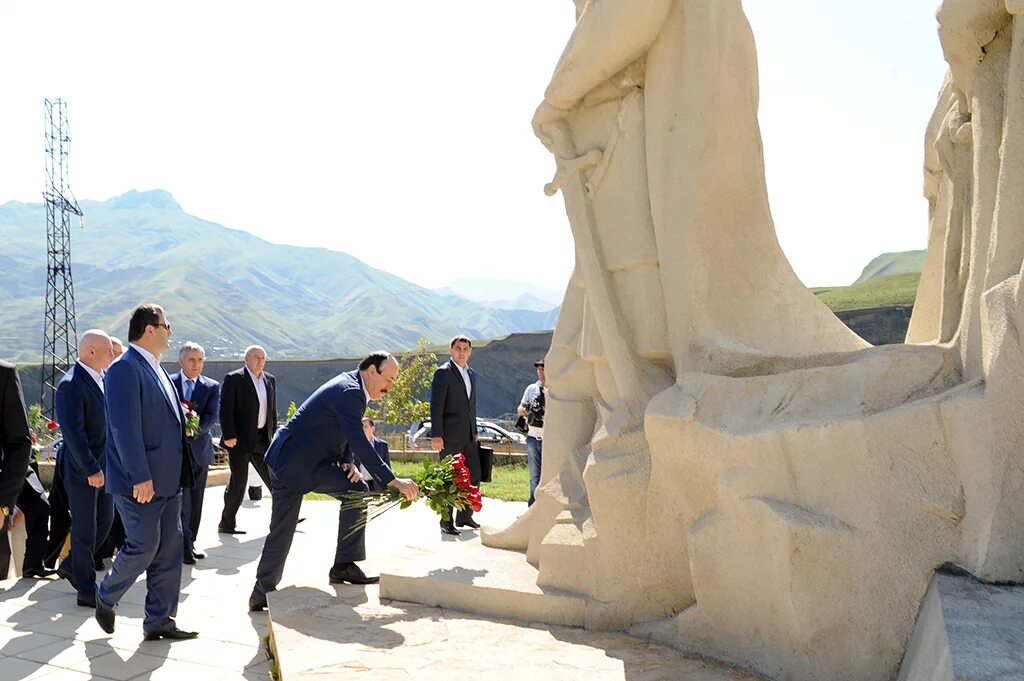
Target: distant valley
<point x="226" y="288"/>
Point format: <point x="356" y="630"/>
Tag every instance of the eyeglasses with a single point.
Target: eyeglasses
<point x="166" y="326"/>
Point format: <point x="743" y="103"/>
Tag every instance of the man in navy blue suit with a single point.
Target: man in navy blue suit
<point x="370" y="430"/>
<point x="82" y="416"/>
<point x="306" y="456"/>
<point x="148" y="462"/>
<point x="203" y="394"/>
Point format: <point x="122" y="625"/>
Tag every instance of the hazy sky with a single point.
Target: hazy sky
<point x="399" y="131"/>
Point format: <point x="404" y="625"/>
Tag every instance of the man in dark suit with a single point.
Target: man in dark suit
<point x="148" y="461"/>
<point x="453" y="419"/>
<point x="248" y="419"/>
<point x="82" y="416"/>
<point x="306" y="456"/>
<point x="203" y="395"/>
<point x="381" y="447"/>
<point x="33" y="509"/>
<point x="15" y="452"/>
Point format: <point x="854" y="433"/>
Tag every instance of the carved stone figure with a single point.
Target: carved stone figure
<point x="728" y="469"/>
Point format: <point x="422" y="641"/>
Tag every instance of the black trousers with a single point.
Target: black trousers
<point x="114" y="541"/>
<point x="284" y="516"/>
<point x="60" y="518"/>
<point x="192" y="512"/>
<point x="471" y="450"/>
<point x="238" y="462"/>
<point x="92" y="514"/>
<point x="36" y="516"/>
<point x="37" y="522"/>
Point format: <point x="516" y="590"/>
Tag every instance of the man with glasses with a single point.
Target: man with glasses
<point x="203" y="395"/>
<point x="147" y="464"/>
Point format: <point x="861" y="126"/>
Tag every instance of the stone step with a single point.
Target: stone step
<point x="966" y="631"/>
<point x="464" y="575"/>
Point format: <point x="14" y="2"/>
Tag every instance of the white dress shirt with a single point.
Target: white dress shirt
<point x="92" y="372"/>
<point x="465" y="377"/>
<point x="261" y="394"/>
<point x="165" y="381"/>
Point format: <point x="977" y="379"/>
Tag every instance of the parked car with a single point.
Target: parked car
<point x="488" y="434"/>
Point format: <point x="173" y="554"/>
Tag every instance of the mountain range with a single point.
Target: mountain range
<point x="226" y="288"/>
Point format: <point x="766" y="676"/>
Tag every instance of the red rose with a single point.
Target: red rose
<point x="188" y="405"/>
<point x="477" y="504"/>
<point x="51" y="425"/>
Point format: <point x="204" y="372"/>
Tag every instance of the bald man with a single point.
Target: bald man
<point x="248" y="420"/>
<point x="82" y="416"/>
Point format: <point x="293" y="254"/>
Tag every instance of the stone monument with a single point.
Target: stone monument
<point x="728" y="469"/>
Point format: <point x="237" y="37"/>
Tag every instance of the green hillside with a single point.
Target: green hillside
<point x="225" y="288"/>
<point x="905" y="262"/>
<point x="885" y="291"/>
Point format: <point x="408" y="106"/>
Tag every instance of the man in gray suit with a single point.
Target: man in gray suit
<point x="202" y="394"/>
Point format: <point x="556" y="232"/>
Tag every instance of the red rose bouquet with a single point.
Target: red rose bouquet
<point x="191" y="419"/>
<point x="443" y="485"/>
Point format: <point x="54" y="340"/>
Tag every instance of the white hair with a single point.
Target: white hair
<point x="191" y="346"/>
<point x="253" y="348"/>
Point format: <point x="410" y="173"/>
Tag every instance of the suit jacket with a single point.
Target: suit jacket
<point x="145" y="440"/>
<point x="82" y="415"/>
<point x="327" y="421"/>
<point x="240" y="407"/>
<point x="206" y="402"/>
<point x="452" y="412"/>
<point x="15" y="437"/>
<point x="383" y="452"/>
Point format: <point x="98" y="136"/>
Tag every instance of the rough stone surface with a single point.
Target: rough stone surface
<point x="726" y="468"/>
<point x="967" y="631"/>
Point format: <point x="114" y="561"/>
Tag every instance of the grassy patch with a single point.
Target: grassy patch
<point x="509" y="483"/>
<point x="896" y="289"/>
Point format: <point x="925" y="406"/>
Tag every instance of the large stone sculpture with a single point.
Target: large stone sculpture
<point x="727" y="468"/>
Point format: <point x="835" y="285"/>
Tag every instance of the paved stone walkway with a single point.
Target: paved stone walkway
<point x="44" y="634"/>
<point x="324" y="632"/>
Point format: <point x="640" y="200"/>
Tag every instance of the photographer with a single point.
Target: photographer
<point x="531" y="407"/>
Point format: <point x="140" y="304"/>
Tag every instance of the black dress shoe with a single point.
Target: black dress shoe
<point x="38" y="573"/>
<point x="87" y="601"/>
<point x="350" y="573"/>
<point x="104" y="617"/>
<point x="229" y="530"/>
<point x="173" y="634"/>
<point x="448" y="528"/>
<point x="188" y="559"/>
<point x="257" y="603"/>
<point x="198" y="555"/>
<point x="255" y="493"/>
<point x="469" y="522"/>
<point x="64" y="573"/>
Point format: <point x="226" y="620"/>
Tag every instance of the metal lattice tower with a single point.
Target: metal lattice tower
<point x="60" y="338"/>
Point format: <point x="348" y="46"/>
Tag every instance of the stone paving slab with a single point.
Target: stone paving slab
<point x="45" y="635"/>
<point x="347" y="632"/>
<point x="465" y="575"/>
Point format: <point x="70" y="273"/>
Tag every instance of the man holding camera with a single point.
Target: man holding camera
<point x="531" y="407"/>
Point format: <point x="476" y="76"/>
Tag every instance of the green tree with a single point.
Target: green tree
<point x="292" y="408"/>
<point x="37" y="423"/>
<point x="402" y="404"/>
